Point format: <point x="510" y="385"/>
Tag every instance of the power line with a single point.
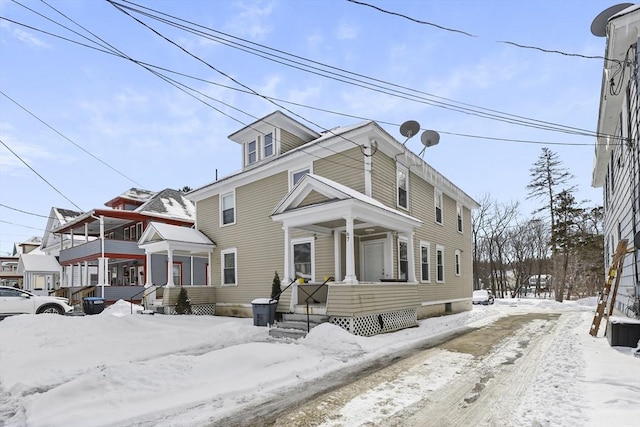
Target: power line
<point x="25" y="212"/>
<point x="20" y="225"/>
<point x="410" y="95"/>
<point x="40" y="176"/>
<point x="68" y="139"/>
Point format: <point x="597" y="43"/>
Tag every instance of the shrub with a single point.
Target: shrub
<point x="184" y="303"/>
<point x="275" y="287"/>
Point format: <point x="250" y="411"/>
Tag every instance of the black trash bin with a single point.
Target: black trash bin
<point x="264" y="311"/>
<point x="93" y="305"/>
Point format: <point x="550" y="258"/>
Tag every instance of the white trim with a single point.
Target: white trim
<point x="382" y="240"/>
<point x="444" y="301"/>
<point x="405" y="171"/>
<point x="457" y="260"/>
<point x="427" y="245"/>
<point x="308" y="167"/>
<point x="264" y="145"/>
<point x="256" y="151"/>
<point x="440" y="248"/>
<point x="437" y="193"/>
<point x="406" y="241"/>
<point x="221" y="210"/>
<point x="223" y="252"/>
<point x="299" y="241"/>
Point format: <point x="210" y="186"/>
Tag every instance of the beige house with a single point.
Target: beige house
<point x="376" y="236"/>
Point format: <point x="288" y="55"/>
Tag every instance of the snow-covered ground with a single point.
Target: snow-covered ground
<point x="118" y="369"/>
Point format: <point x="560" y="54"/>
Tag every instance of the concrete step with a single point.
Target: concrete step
<point x="314" y="318"/>
<point x="302" y="326"/>
<point x="287" y="333"/>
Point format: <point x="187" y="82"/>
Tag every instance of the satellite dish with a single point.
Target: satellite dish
<point x="408" y="129"/>
<point x="599" y="25"/>
<point x="429" y="138"/>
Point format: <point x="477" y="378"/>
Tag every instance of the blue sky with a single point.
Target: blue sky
<point x="147" y="133"/>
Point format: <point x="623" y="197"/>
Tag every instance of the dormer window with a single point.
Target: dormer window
<point x="252" y="152"/>
<point x="268" y="145"/>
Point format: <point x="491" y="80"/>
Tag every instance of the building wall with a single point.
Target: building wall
<point x="621" y="194"/>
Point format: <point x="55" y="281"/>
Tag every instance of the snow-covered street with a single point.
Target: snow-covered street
<point x="118" y="369"/>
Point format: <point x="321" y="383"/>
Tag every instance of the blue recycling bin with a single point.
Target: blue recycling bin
<point x="93" y="305"/>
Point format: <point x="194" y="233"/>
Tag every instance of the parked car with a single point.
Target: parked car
<point x="483" y="297"/>
<point x="19" y="301"/>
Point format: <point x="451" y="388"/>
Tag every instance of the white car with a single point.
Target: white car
<point x="19" y="301"/>
<point x="483" y="297"/>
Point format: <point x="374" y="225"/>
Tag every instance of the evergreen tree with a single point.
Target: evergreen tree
<point x="275" y="287"/>
<point x="184" y="303"/>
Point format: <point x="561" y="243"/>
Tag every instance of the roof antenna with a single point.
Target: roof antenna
<point x="409" y="129"/>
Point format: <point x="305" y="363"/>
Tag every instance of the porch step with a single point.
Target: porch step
<point x="295" y="325"/>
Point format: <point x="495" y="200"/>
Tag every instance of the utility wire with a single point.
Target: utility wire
<point x="25" y="212"/>
<point x="72" y="142"/>
<point x="40" y="176"/>
<point x="20" y="225"/>
<point x="410" y="95"/>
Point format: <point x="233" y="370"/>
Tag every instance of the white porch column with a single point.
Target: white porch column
<point x="71" y="275"/>
<point x="170" y="283"/>
<point x="147" y="263"/>
<point x="336" y="255"/>
<point x="286" y="276"/>
<point x="191" y="270"/>
<point x="411" y="259"/>
<point x="350" y="276"/>
<point x="85" y="274"/>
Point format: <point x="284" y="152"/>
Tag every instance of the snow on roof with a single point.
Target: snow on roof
<point x="66" y="215"/>
<point x="38" y="263"/>
<point x="176" y="233"/>
<point x="170" y="202"/>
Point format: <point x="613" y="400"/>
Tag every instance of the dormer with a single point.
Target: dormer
<point x="270" y="137"/>
<point x="130" y="199"/>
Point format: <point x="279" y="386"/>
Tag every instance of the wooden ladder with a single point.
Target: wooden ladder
<point x="616" y="266"/>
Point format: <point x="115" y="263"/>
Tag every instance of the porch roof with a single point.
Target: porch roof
<point x="32" y="263"/>
<point x="338" y="202"/>
<point x="160" y="237"/>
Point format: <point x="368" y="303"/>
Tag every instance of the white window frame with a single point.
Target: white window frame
<point x="427" y="246"/>
<point x="405" y="171"/>
<point x="406" y="242"/>
<point x="438" y="197"/>
<point x="458" y="260"/>
<point x="440" y="264"/>
<point x="300" y="241"/>
<point x="177" y="282"/>
<point x="255" y="152"/>
<point x="235" y="211"/>
<point x="224" y="252"/>
<point x="460" y="218"/>
<point x="292" y="172"/>
<point x="264" y="145"/>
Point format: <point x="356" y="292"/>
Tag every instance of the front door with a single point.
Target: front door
<point x="373" y="261"/>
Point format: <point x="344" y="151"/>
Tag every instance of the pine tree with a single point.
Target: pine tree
<point x="275" y="287"/>
<point x="184" y="303"/>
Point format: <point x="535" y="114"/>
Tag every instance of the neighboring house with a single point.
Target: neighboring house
<point x="9" y="271"/>
<point x="40" y="272"/>
<point x="351" y="207"/>
<point x="617" y="154"/>
<point x="109" y="255"/>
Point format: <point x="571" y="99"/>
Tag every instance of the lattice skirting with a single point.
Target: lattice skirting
<point x="377" y="323"/>
<point x="197" y="309"/>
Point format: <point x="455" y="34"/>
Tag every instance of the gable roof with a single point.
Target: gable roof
<point x="135" y="195"/>
<point x="171" y="203"/>
<point x="36" y="263"/>
<point x="160" y="237"/>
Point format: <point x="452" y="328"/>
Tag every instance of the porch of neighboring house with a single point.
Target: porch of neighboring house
<point x="40" y="273"/>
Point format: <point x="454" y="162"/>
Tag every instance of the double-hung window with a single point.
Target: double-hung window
<point x="459" y="215"/>
<point x="177" y="273"/>
<point x="403" y="187"/>
<point x="424" y="261"/>
<point x="229" y="265"/>
<point x="403" y="260"/>
<point x="228" y="209"/>
<point x="439" y="264"/>
<point x="438" y="205"/>
<point x="267" y="146"/>
<point x="303" y="259"/>
<point x="297" y="175"/>
<point x="252" y="152"/>
<point x="457" y="260"/>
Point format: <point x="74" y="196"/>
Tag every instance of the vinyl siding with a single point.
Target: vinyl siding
<point x="346" y="168"/>
<point x="360" y="300"/>
<point x="288" y="141"/>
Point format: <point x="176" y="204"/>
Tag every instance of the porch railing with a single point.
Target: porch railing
<point x="89" y="291"/>
<point x="310" y="298"/>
